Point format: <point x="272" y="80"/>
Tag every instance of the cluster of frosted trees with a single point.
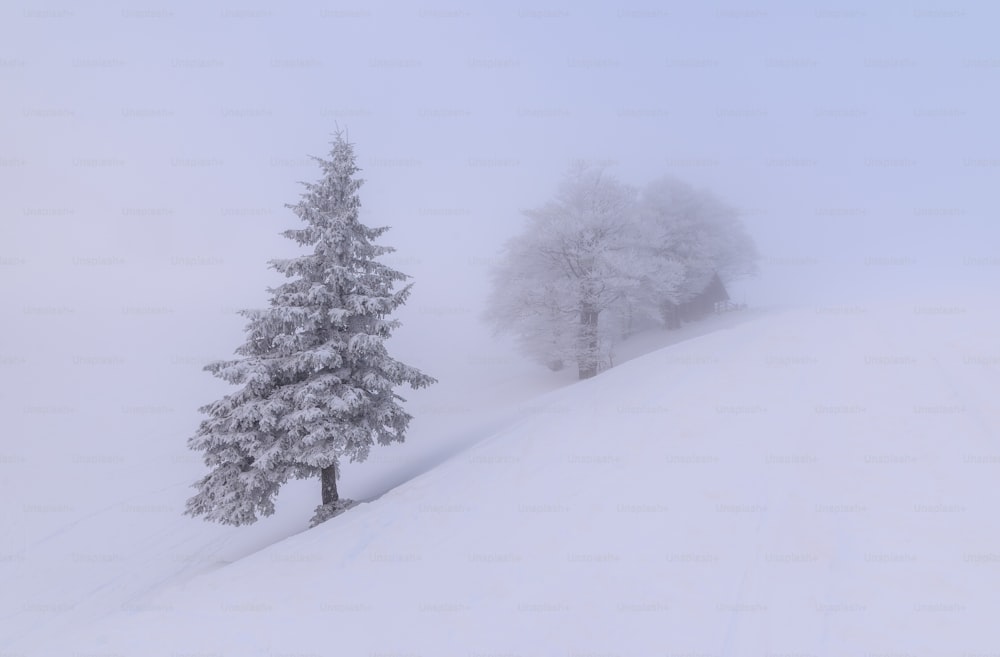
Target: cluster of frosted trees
<point x="603" y="259"/>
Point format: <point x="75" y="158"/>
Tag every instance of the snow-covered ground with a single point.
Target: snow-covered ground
<point x="807" y="482"/>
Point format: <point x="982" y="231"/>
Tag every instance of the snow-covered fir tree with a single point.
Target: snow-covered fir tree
<point x="316" y="383"/>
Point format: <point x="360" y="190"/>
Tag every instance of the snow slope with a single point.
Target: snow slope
<point x="814" y="482"/>
<point x="96" y="480"/>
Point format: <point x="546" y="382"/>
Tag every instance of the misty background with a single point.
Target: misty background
<point x="147" y="152"/>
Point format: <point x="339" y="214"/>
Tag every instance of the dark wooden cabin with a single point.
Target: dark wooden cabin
<point x="711" y="299"/>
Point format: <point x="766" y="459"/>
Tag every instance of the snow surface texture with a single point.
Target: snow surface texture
<point x="811" y="482"/>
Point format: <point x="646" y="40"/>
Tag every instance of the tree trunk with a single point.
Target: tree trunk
<point x="629" y="322"/>
<point x="328" y="481"/>
<point x="589" y="345"/>
<point x="671" y="315"/>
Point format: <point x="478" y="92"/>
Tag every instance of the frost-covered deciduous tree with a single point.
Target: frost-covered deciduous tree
<point x="316" y="383"/>
<point x="695" y="229"/>
<point x="535" y="303"/>
<point x="581" y="256"/>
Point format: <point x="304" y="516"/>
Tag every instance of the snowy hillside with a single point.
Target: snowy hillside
<point x="814" y="482"/>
